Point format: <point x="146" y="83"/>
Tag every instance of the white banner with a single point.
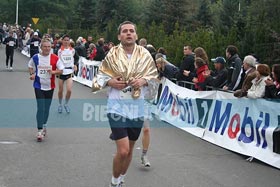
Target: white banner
<point x="87" y="70"/>
<point x="246" y="126"/>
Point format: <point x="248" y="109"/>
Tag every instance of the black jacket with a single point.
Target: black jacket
<point x="217" y="78"/>
<point x="11" y="43"/>
<point x="271" y="92"/>
<point x="100" y="53"/>
<point x="235" y="64"/>
<point x="81" y="50"/>
<point x="170" y="71"/>
<point x="187" y="64"/>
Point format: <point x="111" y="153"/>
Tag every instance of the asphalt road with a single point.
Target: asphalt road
<point x="79" y="154"/>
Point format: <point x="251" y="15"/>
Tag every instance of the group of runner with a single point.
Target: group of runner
<point x="43" y="67"/>
<point x="126" y="128"/>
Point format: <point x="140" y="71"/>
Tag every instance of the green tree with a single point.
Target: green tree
<point x="204" y="15"/>
<point x="228" y="11"/>
<point x="262" y="31"/>
<point x="105" y="11"/>
<point x="85" y="10"/>
<point x="173" y="12"/>
<point x="7" y="11"/>
<point x="154" y="12"/>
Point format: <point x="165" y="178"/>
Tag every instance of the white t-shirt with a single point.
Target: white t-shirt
<point x="41" y="65"/>
<point x="66" y="56"/>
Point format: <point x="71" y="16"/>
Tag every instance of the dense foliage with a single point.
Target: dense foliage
<point x="252" y="25"/>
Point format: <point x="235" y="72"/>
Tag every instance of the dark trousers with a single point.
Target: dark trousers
<point x="44" y="100"/>
<point x="9" y="55"/>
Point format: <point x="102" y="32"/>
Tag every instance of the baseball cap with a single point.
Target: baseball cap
<point x="35" y="33"/>
<point x="219" y="60"/>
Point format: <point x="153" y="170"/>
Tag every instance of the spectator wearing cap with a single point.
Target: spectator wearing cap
<point x="218" y="77"/>
<point x="257" y="89"/>
<point x="249" y="66"/>
<point x="34" y="43"/>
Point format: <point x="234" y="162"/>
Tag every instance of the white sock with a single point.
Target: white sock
<point x="115" y="180"/>
<point x="122" y="177"/>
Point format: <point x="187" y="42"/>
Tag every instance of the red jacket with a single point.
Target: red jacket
<point x="92" y="54"/>
<point x="200" y="77"/>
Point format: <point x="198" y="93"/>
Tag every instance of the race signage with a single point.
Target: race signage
<point x="246" y="126"/>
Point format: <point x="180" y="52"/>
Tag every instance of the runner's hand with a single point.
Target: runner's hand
<point x="137" y="83"/>
<point x="117" y="83"/>
<point x="32" y="77"/>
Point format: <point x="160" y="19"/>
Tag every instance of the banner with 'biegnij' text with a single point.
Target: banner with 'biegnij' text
<point x="87" y="70"/>
<point x="247" y="126"/>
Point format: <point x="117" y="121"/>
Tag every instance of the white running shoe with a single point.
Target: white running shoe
<point x="67" y="109"/>
<point x="11" y="68"/>
<point x="44" y="131"/>
<point x="122" y="180"/>
<point x="145" y="161"/>
<point x="59" y="109"/>
<point x="40" y="136"/>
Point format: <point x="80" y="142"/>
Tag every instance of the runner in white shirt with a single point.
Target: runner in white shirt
<point x="42" y="68"/>
<point x="129" y="69"/>
<point x="66" y="55"/>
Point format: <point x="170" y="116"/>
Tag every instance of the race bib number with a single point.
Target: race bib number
<point x="67" y="60"/>
<point x="126" y="93"/>
<point x="36" y="43"/>
<point x="11" y="43"/>
<point x="43" y="72"/>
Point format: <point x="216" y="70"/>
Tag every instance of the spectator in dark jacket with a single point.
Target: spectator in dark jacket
<point x="100" y="53"/>
<point x="89" y="41"/>
<point x="186" y="65"/>
<point x="217" y="77"/>
<point x="80" y="49"/>
<point x="272" y="88"/>
<point x="152" y="50"/>
<point x="2" y="34"/>
<point x="235" y="64"/>
<point x="166" y="69"/>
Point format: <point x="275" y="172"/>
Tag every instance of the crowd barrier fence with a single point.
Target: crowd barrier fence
<point x="247" y="126"/>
